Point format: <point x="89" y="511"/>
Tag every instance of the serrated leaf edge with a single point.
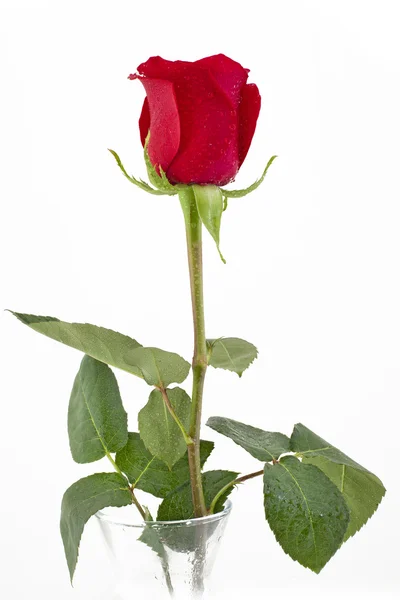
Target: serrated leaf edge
<point x="219" y="340"/>
<point x="72" y="571"/>
<point x="341" y="490"/>
<point x="317" y="571"/>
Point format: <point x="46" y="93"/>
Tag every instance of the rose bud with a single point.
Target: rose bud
<point x="201" y="117"/>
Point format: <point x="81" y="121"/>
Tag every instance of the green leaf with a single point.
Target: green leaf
<point x="138" y="182"/>
<point x="251" y="188"/>
<point x="103" y="344"/>
<point x="178" y="504"/>
<point x="306" y="443"/>
<point x="158" y="367"/>
<point x="148" y="473"/>
<point x="81" y="501"/>
<point x="210" y="205"/>
<point x="213" y="482"/>
<point x="97" y="421"/>
<point x="159" y="431"/>
<point x="305" y="510"/>
<point x="232" y="354"/>
<point x="361" y="489"/>
<point x="264" y="445"/>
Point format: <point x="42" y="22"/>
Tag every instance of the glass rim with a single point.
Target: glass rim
<point x="112" y="520"/>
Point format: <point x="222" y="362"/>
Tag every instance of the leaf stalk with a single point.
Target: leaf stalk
<point x="134" y="499"/>
<point x="229" y="485"/>
<point x="189" y="441"/>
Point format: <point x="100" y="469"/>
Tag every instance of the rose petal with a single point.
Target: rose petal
<point x="164" y="121"/>
<point x="144" y="121"/>
<point x="249" y="109"/>
<point x="159" y="68"/>
<point x="208" y="151"/>
<point x="229" y="74"/>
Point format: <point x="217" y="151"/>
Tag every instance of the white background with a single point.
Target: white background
<point x="312" y="276"/>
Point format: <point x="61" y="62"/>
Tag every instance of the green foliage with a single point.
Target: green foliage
<point x="251" y="188"/>
<point x="232" y="354"/>
<point x="159" y="431"/>
<point x="97" y="421"/>
<point x="138" y="182"/>
<point x="81" y="501"/>
<point x="178" y="504"/>
<point x="263" y="445"/>
<point x="158" y="367"/>
<point x="148" y="473"/>
<point x="305" y="510"/>
<point x="362" y="490"/>
<point x="306" y="443"/>
<point x="103" y="344"/>
<point x="213" y="482"/>
<point x="210" y="206"/>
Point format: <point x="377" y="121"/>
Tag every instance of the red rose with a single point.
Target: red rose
<point x="201" y="116"/>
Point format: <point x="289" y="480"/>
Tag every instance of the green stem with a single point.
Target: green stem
<point x="199" y="364"/>
<point x="138" y="505"/>
<point x="134" y="499"/>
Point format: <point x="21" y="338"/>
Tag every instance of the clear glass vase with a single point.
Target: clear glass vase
<point x="163" y="559"/>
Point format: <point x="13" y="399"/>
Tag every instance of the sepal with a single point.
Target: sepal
<point x="251" y="188"/>
<point x="159" y="180"/>
<point x="210" y="206"/>
<point x="138" y="182"/>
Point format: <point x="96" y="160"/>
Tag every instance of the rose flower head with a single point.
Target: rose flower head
<point x="201" y="117"/>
